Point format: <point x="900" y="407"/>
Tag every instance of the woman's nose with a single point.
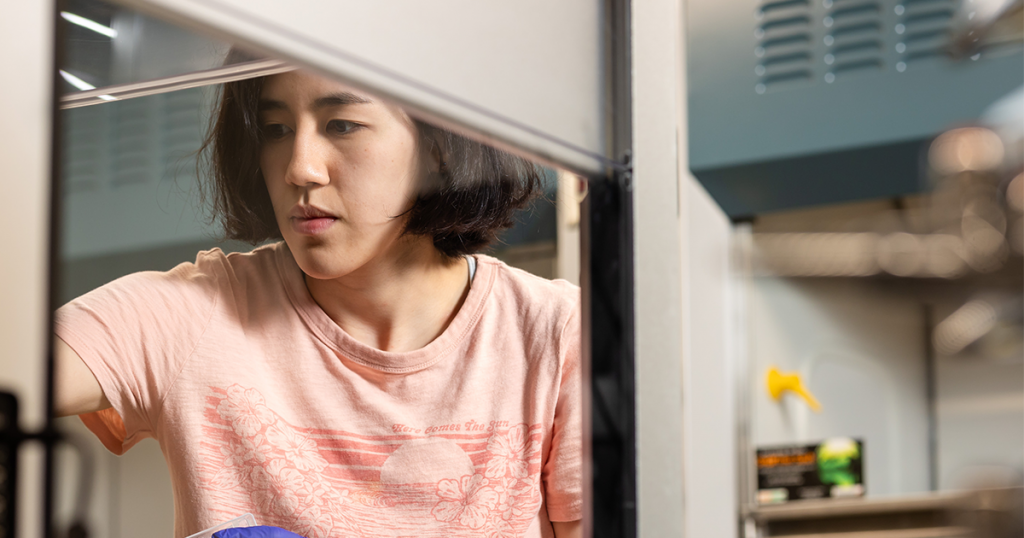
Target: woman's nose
<point x="308" y="164"/>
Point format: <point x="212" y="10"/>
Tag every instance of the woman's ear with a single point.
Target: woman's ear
<point x="438" y="154"/>
<point x="436" y="164"/>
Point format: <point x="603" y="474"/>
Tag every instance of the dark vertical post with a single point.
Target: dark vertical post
<point x="609" y="292"/>
<point x="49" y="434"/>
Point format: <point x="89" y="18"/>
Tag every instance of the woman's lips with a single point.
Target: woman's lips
<point x="312" y="225"/>
<point x="310" y="219"/>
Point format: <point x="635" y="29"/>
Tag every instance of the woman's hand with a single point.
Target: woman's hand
<point x="255" y="532"/>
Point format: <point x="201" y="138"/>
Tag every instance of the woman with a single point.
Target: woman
<point x="367" y="376"/>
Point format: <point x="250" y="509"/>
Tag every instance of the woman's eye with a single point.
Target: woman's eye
<point x="275" y="131"/>
<point x="341" y="126"/>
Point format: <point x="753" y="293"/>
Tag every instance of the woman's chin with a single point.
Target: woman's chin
<point x="328" y="260"/>
<point x="324" y="264"/>
<point x="326" y="271"/>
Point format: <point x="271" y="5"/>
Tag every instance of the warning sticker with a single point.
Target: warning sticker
<point x="832" y="468"/>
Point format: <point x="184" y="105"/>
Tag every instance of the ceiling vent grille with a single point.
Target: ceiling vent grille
<point x="785" y="44"/>
<point x="854" y="37"/>
<point x="922" y="29"/>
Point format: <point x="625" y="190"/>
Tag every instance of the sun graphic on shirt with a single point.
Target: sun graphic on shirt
<point x="425" y="461"/>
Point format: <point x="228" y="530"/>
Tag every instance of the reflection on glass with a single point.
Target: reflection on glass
<point x="110" y="45"/>
<point x="366" y="369"/>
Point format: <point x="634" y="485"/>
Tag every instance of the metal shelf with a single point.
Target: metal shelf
<point x="853" y="507"/>
<point x="961" y="514"/>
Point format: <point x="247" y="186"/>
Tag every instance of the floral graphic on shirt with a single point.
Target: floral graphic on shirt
<point x="327" y="484"/>
<point x="246" y="410"/>
<point x="468" y="501"/>
<point x="502" y="498"/>
<point x="511" y="453"/>
<point x="277" y="466"/>
<point x="301" y="451"/>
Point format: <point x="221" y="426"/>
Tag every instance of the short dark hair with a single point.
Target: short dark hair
<point x="465" y="206"/>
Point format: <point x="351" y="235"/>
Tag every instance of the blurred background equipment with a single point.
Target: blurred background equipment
<point x="906" y="316"/>
<point x="871" y="156"/>
<point x="794" y="103"/>
<point x="981" y="25"/>
<point x="969" y="222"/>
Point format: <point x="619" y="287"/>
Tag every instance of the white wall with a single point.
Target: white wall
<point x="980" y="423"/>
<point x="980" y="412"/>
<point x="709" y="352"/>
<point x="709" y="370"/>
<point x="26" y="52"/>
<point x="130" y="495"/>
<point x="657" y="120"/>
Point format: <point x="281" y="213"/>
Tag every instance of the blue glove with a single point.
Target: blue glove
<point x="255" y="532"/>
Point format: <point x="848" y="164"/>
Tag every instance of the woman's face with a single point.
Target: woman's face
<point x="340" y="167"/>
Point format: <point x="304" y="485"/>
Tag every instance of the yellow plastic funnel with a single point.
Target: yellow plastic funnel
<point x="779" y="382"/>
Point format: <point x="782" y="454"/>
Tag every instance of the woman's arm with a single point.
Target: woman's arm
<point x="76" y="390"/>
<point x="568" y="529"/>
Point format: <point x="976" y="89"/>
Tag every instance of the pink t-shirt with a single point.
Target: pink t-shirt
<point x="262" y="404"/>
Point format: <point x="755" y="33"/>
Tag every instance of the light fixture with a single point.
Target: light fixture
<point x="90" y="24"/>
<point x="83" y="85"/>
<point x="76" y="82"/>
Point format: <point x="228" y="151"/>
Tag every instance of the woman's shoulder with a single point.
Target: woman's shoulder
<point x="529" y="308"/>
<point x="212" y="271"/>
<point x="529" y="292"/>
<point x="215" y="267"/>
<point x="260" y="262"/>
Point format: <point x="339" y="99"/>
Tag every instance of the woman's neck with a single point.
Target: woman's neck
<point x="398" y="302"/>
